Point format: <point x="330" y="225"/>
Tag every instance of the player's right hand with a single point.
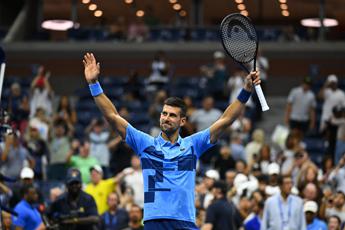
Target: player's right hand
<point x="91" y="68"/>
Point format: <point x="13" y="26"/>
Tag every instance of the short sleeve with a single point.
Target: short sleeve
<point x="136" y="139"/>
<point x="201" y="141"/>
<point x="20" y="219"/>
<point x="291" y="96"/>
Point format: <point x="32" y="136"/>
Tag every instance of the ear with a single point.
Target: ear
<point x="183" y="121"/>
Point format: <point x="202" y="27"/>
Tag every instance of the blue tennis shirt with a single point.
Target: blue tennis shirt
<point x="169" y="172"/>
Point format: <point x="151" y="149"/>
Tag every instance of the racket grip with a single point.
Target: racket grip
<point x="262" y="98"/>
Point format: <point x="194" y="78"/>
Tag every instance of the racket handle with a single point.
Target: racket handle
<point x="262" y="98"/>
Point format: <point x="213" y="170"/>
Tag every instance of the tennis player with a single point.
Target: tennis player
<point x="168" y="161"/>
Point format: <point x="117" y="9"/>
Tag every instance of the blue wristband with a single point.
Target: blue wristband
<point x="244" y="96"/>
<point x="95" y="89"/>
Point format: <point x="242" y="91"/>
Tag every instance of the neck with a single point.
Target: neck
<point x="112" y="210"/>
<point x="172" y="137"/>
<point x="284" y="196"/>
<point x="134" y="224"/>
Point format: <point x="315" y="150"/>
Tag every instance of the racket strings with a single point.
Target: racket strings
<point x="239" y="38"/>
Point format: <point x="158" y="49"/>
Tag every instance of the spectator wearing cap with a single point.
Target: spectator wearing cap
<point x="79" y="157"/>
<point x="26" y="179"/>
<point x="211" y="176"/>
<point x="300" y="108"/>
<point x="284" y="211"/>
<point x="273" y="173"/>
<point x="28" y="215"/>
<point x="221" y="214"/>
<point x="331" y="96"/>
<point x="74" y="209"/>
<point x="100" y="188"/>
<point x="215" y="75"/>
<point x="313" y="223"/>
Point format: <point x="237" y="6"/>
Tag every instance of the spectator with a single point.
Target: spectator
<point x="229" y="178"/>
<point x="221" y="215"/>
<point x="313" y="223"/>
<point x="59" y="147"/>
<point x="159" y="76"/>
<point x="137" y="31"/>
<point x="54" y="193"/>
<point x="311" y="191"/>
<point x="338" y="121"/>
<point x="28" y="216"/>
<point x="99" y="137"/>
<point x="134" y="178"/>
<point x="41" y="93"/>
<point x="272" y="187"/>
<point x="300" y="109"/>
<point x="206" y="116"/>
<point x="338" y="208"/>
<point x="333" y="223"/>
<point x="135" y="218"/>
<point x="26" y="179"/>
<point x="253" y="221"/>
<point x="82" y="161"/>
<point x="7" y="223"/>
<point x="114" y="218"/>
<point x="99" y="189"/>
<point x="18" y="106"/>
<point x="292" y="146"/>
<point x="284" y="210"/>
<point x="67" y="112"/>
<point x="211" y="176"/>
<point x="39" y="150"/>
<point x="224" y="161"/>
<point x="236" y="146"/>
<point x="74" y="209"/>
<point x="337" y="176"/>
<point x="14" y="156"/>
<point x="253" y="147"/>
<point x="308" y="176"/>
<point x="216" y="75"/>
<point x="41" y="122"/>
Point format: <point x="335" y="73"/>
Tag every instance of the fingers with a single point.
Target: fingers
<point x="255" y="76"/>
<point x="89" y="58"/>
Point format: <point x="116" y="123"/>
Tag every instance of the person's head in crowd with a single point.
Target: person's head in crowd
<point x="241" y="183"/>
<point x="219" y="189"/>
<point x="292" y="141"/>
<point x="113" y="201"/>
<point x="188" y="101"/>
<point x="273" y="171"/>
<point x="54" y="193"/>
<point x="219" y="57"/>
<point x="258" y="136"/>
<point x="84" y="149"/>
<point x="96" y="174"/>
<point x="257" y="202"/>
<point x="265" y="153"/>
<point x="310" y="209"/>
<point x="207" y="103"/>
<point x="263" y="183"/>
<point x="245" y="204"/>
<point x="34" y="133"/>
<point x="135" y="162"/>
<point x="210" y="177"/>
<point x="332" y="81"/>
<point x="311" y="175"/>
<point x="225" y="152"/>
<point x="241" y="166"/>
<point x="40" y="113"/>
<point x="15" y="89"/>
<point x="60" y="127"/>
<point x="135" y="215"/>
<point x="30" y="194"/>
<point x="230" y="177"/>
<point x="64" y="104"/>
<point x="73" y="182"/>
<point x="160" y="97"/>
<point x="327" y="164"/>
<point x="27" y="176"/>
<point x="339" y="200"/>
<point x="6" y="220"/>
<point x="300" y="158"/>
<point x="98" y="126"/>
<point x="333" y="222"/>
<point x="310" y="191"/>
<point x="285" y="183"/>
<point x="306" y="84"/>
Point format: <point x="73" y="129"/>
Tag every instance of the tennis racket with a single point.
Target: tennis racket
<point x="240" y="41"/>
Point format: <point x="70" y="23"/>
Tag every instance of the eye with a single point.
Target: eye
<point x="164" y="113"/>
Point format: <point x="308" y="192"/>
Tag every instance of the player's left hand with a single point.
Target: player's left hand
<point x="252" y="78"/>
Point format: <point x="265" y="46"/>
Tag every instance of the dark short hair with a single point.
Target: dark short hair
<point x="25" y="189"/>
<point x="281" y="178"/>
<point x="177" y="102"/>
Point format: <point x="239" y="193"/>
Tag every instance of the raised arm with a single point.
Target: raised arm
<point x="234" y="109"/>
<point x="91" y="71"/>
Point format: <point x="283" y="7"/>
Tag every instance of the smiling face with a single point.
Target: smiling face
<point x="170" y="120"/>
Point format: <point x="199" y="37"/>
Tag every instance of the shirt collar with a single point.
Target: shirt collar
<point x="164" y="142"/>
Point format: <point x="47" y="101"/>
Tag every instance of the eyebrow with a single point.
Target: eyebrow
<point x="171" y="114"/>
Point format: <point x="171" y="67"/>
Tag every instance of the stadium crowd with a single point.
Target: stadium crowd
<point x="82" y="175"/>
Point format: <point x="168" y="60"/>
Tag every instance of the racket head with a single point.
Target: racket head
<point x="2" y="55"/>
<point x="239" y="38"/>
